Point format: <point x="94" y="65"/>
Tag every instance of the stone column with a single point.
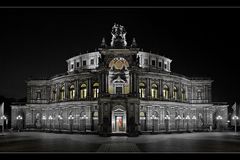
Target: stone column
<point x="77" y="90"/>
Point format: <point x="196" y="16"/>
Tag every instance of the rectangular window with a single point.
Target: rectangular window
<point x="153" y="62"/>
<point x="71" y="66"/>
<point x="165" y="66"/>
<point x="77" y="64"/>
<point x="84" y="63"/>
<point x="146" y="61"/>
<point x="92" y="61"/>
<point x="160" y="64"/>
<point x="38" y="95"/>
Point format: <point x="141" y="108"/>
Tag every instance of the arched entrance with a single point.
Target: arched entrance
<point x="119" y="124"/>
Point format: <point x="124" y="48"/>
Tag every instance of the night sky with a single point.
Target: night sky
<point x="202" y="42"/>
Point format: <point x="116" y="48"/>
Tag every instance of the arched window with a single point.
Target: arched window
<point x="54" y="95"/>
<point x="175" y="93"/>
<point x="165" y="92"/>
<point x="62" y="93"/>
<point x="83" y="91"/>
<point x="142" y="90"/>
<point x="154" y="91"/>
<point x="199" y="94"/>
<point x="95" y="90"/>
<point x="183" y="95"/>
<point x="72" y="92"/>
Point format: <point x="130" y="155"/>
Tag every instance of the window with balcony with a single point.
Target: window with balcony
<point x="165" y="92"/>
<point x="62" y="93"/>
<point x="175" y="93"/>
<point x="142" y="90"/>
<point x="83" y="91"/>
<point x="154" y="90"/>
<point x="72" y="92"/>
<point x="95" y="90"/>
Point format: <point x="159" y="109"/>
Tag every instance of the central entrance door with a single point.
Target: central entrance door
<point x="119" y="120"/>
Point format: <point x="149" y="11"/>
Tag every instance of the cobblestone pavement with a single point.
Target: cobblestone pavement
<point x="185" y="142"/>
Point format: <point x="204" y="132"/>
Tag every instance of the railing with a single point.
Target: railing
<point x="199" y="101"/>
<point x="38" y="101"/>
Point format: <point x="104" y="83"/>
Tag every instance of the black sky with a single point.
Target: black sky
<point x="202" y="42"/>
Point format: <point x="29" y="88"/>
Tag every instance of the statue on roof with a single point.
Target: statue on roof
<point x="118" y="36"/>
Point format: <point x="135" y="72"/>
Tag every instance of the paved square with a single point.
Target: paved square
<point x="185" y="142"/>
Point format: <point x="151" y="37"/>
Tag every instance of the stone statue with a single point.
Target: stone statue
<point x="118" y="36"/>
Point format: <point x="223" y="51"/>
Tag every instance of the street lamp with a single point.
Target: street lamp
<point x="50" y="118"/>
<point x="235" y="118"/>
<point x="219" y="118"/>
<point x="85" y="121"/>
<point x="59" y="119"/>
<point x="178" y="118"/>
<point x="44" y="123"/>
<point x="153" y="117"/>
<point x="187" y="118"/>
<point x="3" y="118"/>
<point x="167" y="118"/>
<point x="71" y="121"/>
<point x="194" y="118"/>
<point x="19" y="118"/>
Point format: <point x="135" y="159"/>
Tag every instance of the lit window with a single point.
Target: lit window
<point x="62" y="93"/>
<point x="72" y="92"/>
<point x="84" y="63"/>
<point x="175" y="93"/>
<point x="154" y="91"/>
<point x="142" y="90"/>
<point x="95" y="90"/>
<point x="92" y="61"/>
<point x="83" y="91"/>
<point x="165" y="92"/>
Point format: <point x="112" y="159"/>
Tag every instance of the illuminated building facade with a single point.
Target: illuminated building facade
<point x="119" y="89"/>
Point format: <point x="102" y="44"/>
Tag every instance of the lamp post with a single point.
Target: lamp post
<point x="187" y="118"/>
<point x="3" y="118"/>
<point x="59" y="122"/>
<point x="70" y="118"/>
<point x="194" y="118"/>
<point x="153" y="117"/>
<point x="219" y="118"/>
<point x="85" y="121"/>
<point x="178" y="118"/>
<point x="50" y="119"/>
<point x="19" y="118"/>
<point x="235" y="118"/>
<point x="167" y="118"/>
<point x="44" y="121"/>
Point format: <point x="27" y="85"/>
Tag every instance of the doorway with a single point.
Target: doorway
<point x="119" y="120"/>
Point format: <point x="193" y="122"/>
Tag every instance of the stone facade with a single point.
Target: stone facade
<point x="119" y="89"/>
